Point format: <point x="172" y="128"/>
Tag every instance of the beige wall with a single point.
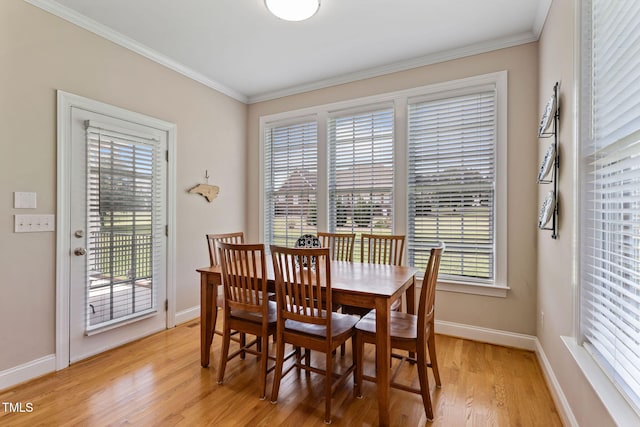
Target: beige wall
<point x="556" y="292"/>
<point x="40" y="53"/>
<point x="516" y="312"/>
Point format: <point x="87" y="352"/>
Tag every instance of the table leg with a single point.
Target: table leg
<point x="411" y="297"/>
<point x="383" y="356"/>
<point x="207" y="306"/>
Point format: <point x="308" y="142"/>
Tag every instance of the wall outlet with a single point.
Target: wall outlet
<point x="34" y="223"/>
<point x="541" y="320"/>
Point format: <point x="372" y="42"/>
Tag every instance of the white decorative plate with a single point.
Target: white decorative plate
<point x="547" y="116"/>
<point x="547" y="162"/>
<point x="546" y="211"/>
<point x="308" y="241"/>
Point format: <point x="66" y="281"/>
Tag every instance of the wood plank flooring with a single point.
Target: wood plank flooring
<point x="158" y="381"/>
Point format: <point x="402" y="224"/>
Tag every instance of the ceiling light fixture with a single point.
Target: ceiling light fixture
<point x="293" y="10"/>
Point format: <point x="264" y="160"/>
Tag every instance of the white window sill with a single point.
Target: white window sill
<point x="499" y="291"/>
<point x="618" y="407"/>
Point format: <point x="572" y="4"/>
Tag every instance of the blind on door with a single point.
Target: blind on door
<point x="451" y="182"/>
<point x="290" y="189"/>
<point x="361" y="172"/>
<point x="125" y="221"/>
<point x="610" y="227"/>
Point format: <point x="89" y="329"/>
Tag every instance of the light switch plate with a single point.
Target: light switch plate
<point x="34" y="223"/>
<point x="24" y="200"/>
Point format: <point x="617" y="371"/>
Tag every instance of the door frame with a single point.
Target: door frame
<point x="66" y="101"/>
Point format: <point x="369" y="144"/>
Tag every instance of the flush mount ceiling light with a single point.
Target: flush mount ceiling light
<point x="293" y="10"/>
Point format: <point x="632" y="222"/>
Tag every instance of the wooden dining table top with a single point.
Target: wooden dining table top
<point x="353" y="277"/>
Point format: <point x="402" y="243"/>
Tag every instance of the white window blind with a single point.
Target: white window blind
<point x="126" y="175"/>
<point x="291" y="171"/>
<point x="361" y="172"/>
<point x="451" y="182"/>
<point x="610" y="226"/>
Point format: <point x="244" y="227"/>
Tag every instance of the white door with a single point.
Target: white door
<point x="117" y="235"/>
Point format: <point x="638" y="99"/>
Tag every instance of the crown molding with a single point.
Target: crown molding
<point x="541" y="17"/>
<point x="128" y="43"/>
<point x="103" y="31"/>
<point x="435" y="58"/>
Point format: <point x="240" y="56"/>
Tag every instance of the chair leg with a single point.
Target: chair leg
<point x="358" y="351"/>
<point x="224" y="354"/>
<point x="243" y="344"/>
<point x="328" y="380"/>
<point x="424" y="385"/>
<point x="277" y="375"/>
<point x="298" y="354"/>
<point x="215" y="322"/>
<point x="432" y="357"/>
<point x="307" y="360"/>
<point x="264" y="355"/>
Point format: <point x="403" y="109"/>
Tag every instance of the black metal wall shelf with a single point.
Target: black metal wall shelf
<point x="550" y="164"/>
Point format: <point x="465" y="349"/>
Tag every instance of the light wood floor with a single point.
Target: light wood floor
<point x="158" y="381"/>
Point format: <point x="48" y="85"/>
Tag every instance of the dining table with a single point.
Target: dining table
<point x="374" y="286"/>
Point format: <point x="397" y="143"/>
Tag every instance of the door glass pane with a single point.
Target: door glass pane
<point x="120" y="187"/>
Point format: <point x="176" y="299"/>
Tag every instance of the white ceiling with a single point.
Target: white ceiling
<point x="240" y="49"/>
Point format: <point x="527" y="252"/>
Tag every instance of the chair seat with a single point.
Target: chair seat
<point x="272" y="314"/>
<point x="403" y="325"/>
<point x="340" y="324"/>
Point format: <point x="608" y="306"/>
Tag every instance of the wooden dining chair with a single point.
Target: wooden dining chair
<point x="340" y="245"/>
<point x="301" y="292"/>
<point x="247" y="308"/>
<point x="413" y="333"/>
<point x="214" y="260"/>
<point x="340" y="249"/>
<point x="379" y="249"/>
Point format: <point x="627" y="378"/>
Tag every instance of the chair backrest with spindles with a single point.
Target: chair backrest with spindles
<point x="244" y="276"/>
<point x="303" y="291"/>
<point x="340" y="245"/>
<point x="382" y="249"/>
<point x="426" y="305"/>
<point x="212" y="239"/>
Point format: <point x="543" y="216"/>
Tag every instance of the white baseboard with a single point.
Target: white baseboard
<point x="566" y="414"/>
<point x="27" y="371"/>
<point x="187" y="315"/>
<point x="490" y="336"/>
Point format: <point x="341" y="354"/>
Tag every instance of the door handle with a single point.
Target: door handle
<point x="80" y="251"/>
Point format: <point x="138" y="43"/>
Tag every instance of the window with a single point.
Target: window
<point x="452" y="145"/>
<point x="610" y="190"/>
<point x="291" y="175"/>
<point x="361" y="173"/>
<point x="428" y="163"/>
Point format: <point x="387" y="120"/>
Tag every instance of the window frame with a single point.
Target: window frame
<point x="264" y="127"/>
<point x="619" y="405"/>
<point x="499" y="286"/>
